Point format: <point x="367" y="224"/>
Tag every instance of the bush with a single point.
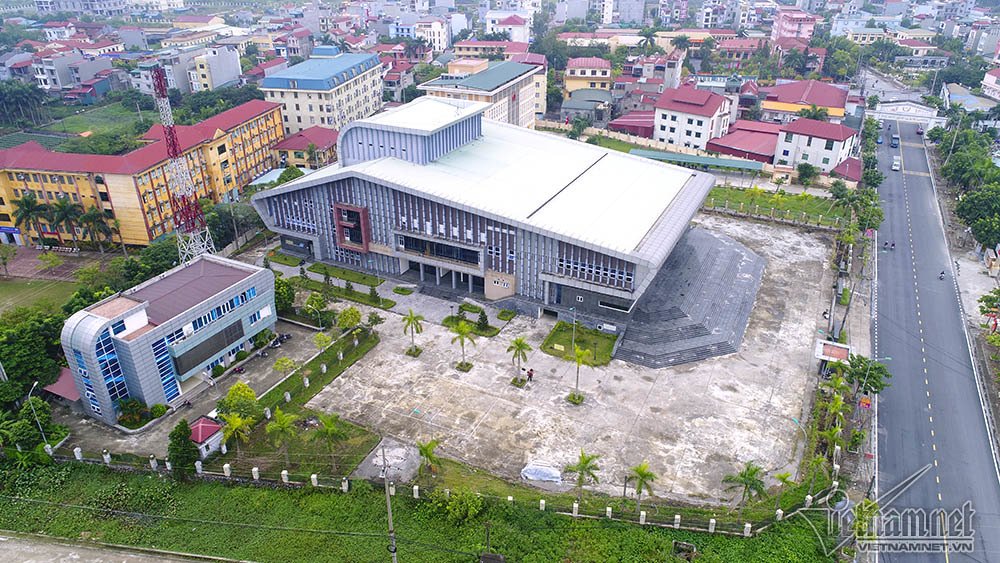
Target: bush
<point x="575" y="398"/>
<point x="460" y="507"/>
<point x="470" y="308"/>
<point x="373" y="293"/>
<point x="414" y="351"/>
<point x="157" y="410"/>
<point x="519" y="382"/>
<point x="263" y="338"/>
<point x="506" y="314"/>
<point x="845" y="296"/>
<point x="402" y="290"/>
<point x="241" y="355"/>
<point x="218" y="370"/>
<point x="463" y="366"/>
<point x="483" y="322"/>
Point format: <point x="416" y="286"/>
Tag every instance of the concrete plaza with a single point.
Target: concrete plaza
<point x="694" y="423"/>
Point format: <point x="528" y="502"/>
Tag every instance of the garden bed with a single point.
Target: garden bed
<point x="600" y="343"/>
<point x="451" y="320"/>
<point x="284" y="259"/>
<point x="337" y="291"/>
<point x="345" y="274"/>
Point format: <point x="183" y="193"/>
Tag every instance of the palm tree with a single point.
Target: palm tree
<point x="66" y="213"/>
<point x="463" y="334"/>
<point x="750" y="479"/>
<point x="832" y="438"/>
<point x="648" y="39"/>
<point x="784" y="481"/>
<point x="427" y="454"/>
<point x="413" y="323"/>
<point x="836" y="384"/>
<point x="585" y="470"/>
<point x="331" y="432"/>
<point x="29" y="211"/>
<point x="682" y="42"/>
<point x="816" y="464"/>
<point x="281" y="430"/>
<point x="96" y="223"/>
<point x="115" y="226"/>
<point x="814" y="112"/>
<point x="836" y="409"/>
<point x="580" y="356"/>
<point x="236" y="427"/>
<point x="644" y="479"/>
<point x="519" y="349"/>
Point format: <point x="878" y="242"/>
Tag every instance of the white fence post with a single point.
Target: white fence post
<point x="198" y="467"/>
<point x="779" y="514"/>
<point x="78" y="453"/>
<point x="541" y="504"/>
<point x="607" y="511"/>
<point x="344" y="484"/>
<point x="677" y="521"/>
<point x="284" y="475"/>
<point x="152" y="462"/>
<point x="106" y="455"/>
<point x="576" y="509"/>
<point x="746" y="530"/>
<point x="642" y="517"/>
<point x="227" y="470"/>
<point x="711" y="525"/>
<point x="416" y="491"/>
<point x="255" y="473"/>
<point x="314" y="479"/>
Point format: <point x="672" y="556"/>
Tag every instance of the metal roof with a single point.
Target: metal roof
<point x="710" y="161"/>
<point x="498" y="74"/>
<point x="184" y="287"/>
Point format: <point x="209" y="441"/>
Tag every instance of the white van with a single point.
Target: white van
<point x="896" y="164"/>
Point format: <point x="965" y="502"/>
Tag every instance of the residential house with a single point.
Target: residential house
<point x="217" y="67"/>
<point x="752" y="140"/>
<point x="206" y="433"/>
<point x="296" y="43"/>
<point x="189" y="39"/>
<point x="822" y="144"/>
<point x="734" y="53"/>
<point x="587" y="72"/>
<point x="398" y="77"/>
<point x="133" y="37"/>
<point x="792" y="23"/>
<point x="435" y="31"/>
<point x="516" y="27"/>
<point x="673" y="11"/>
<point x="175" y="63"/>
<point x="488" y="49"/>
<point x="782" y="102"/>
<point x="917" y="47"/>
<point x="56" y="30"/>
<point x="16" y="65"/>
<point x="691" y="117"/>
<point x="815" y="56"/>
<point x="991" y="84"/>
<point x="592" y="104"/>
<point x="294" y="150"/>
<point x="493" y="21"/>
<point x="508" y="88"/>
<point x="194" y="21"/>
<point x="264" y="69"/>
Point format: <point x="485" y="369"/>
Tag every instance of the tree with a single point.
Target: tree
<point x="463" y="334"/>
<point x="836" y="409"/>
<point x="872" y="178"/>
<point x="807" y="173"/>
<point x="285" y="365"/>
<point x="95" y="222"/>
<point x="784" y="481"/>
<point x="330" y="431"/>
<point x="284" y="295"/>
<point x="873" y="101"/>
<point x="816" y="465"/>
<point x="374" y="319"/>
<point x="427" y="453"/>
<point x="831" y="438"/>
<point x="322" y="340"/>
<point x="316" y="303"/>
<point x="750" y="481"/>
<point x="28" y="211"/>
<point x="518" y="350"/>
<point x="238" y="428"/>
<point x="580" y="356"/>
<point x="182" y="451"/>
<point x="413" y="323"/>
<point x="241" y="400"/>
<point x="483" y="322"/>
<point x="7" y="254"/>
<point x="289" y="174"/>
<point x="644" y="479"/>
<point x="864" y="527"/>
<point x="868" y="376"/>
<point x="585" y="470"/>
<point x="682" y="42"/>
<point x="36" y="411"/>
<point x="814" y="112"/>
<point x="66" y="214"/>
<point x="282" y="431"/>
<point x="349" y="318"/>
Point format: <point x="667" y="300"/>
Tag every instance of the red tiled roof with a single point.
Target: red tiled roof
<point x="64" y="386"/>
<point x="22" y="64"/>
<point x="808" y="92"/>
<point x="203" y="429"/>
<point x="301" y="32"/>
<point x="354" y="39"/>
<point x="634" y="118"/>
<point x="537" y="59"/>
<point x="688" y="99"/>
<point x="759" y="126"/>
<point x="746" y="143"/>
<point x="588" y="62"/>
<point x="587" y="35"/>
<point x="749" y="87"/>
<point x="742" y="43"/>
<point x="850" y="168"/>
<point x="59" y="24"/>
<point x="820" y="129"/>
<point x="513" y="19"/>
<point x="714" y="31"/>
<point x="913" y="43"/>
<point x="259" y="69"/>
<point x="994" y="72"/>
<point x="322" y="137"/>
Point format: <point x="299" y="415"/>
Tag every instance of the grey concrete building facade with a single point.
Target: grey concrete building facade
<point x="160" y="338"/>
<point x="433" y="192"/>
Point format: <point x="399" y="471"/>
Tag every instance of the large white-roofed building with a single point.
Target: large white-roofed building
<point x="432" y="191"/>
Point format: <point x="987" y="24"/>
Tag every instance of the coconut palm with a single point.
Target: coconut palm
<point x="96" y="224"/>
<point x="816" y="465"/>
<point x="580" y="356"/>
<point x="832" y="438"/>
<point x="66" y="214"/>
<point x="115" y="226"/>
<point x="236" y="427"/>
<point x="427" y="454"/>
<point x="750" y="482"/>
<point x="281" y="430"/>
<point x="28" y="211"/>
<point x="518" y="350"/>
<point x="330" y="431"/>
<point x="585" y="470"/>
<point x="784" y="481"/>
<point x="463" y="334"/>
<point x="413" y="323"/>
<point x="836" y="384"/>
<point x="814" y="112"/>
<point x="836" y="410"/>
<point x="644" y="479"/>
<point x="682" y="42"/>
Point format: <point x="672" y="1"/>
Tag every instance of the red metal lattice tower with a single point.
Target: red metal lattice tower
<point x="193" y="236"/>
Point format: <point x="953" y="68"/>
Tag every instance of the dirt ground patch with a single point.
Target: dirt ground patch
<point x="694" y="423"/>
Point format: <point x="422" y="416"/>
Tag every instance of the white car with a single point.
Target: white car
<point x="896" y="164"/>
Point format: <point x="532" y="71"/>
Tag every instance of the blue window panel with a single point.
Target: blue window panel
<point x="81" y="368"/>
<point x="165" y="366"/>
<point x="223" y="310"/>
<point x="118" y="327"/>
<point x="107" y="359"/>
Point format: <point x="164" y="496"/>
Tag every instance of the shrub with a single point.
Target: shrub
<point x="483" y="322"/>
<point x="575" y="398"/>
<point x="348" y="287"/>
<point x="506" y="314"/>
<point x="263" y="338"/>
<point x="470" y="308"/>
<point x="373" y="293"/>
<point x="157" y="410"/>
<point x="519" y="382"/>
<point x="857" y="438"/>
<point x="241" y="355"/>
<point x="463" y="366"/>
<point x="460" y="507"/>
<point x="845" y="296"/>
<point x="414" y="351"/>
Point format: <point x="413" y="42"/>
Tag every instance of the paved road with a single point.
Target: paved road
<point x="30" y="550"/>
<point x="932" y="413"/>
<point x="886" y="90"/>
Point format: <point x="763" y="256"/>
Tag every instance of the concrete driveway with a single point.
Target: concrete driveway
<point x="694" y="423"/>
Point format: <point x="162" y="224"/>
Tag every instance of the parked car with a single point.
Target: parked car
<point x="896" y="164"/>
<point x="880" y="140"/>
<point x="920" y="130"/>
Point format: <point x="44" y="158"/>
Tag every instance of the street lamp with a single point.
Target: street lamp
<point x="44" y="439"/>
<point x="573" y="345"/>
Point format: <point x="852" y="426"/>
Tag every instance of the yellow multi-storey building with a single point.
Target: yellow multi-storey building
<point x="224" y="153"/>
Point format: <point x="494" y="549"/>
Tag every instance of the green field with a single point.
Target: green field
<point x="107" y="119"/>
<point x="599" y="343"/>
<point x="15" y="293"/>
<point x="345" y="274"/>
<point x="763" y="201"/>
<point x="14" y="139"/>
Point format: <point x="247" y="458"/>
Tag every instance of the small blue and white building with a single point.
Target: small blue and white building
<point x="161" y="338"/>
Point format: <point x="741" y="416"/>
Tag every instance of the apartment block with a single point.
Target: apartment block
<point x="508" y="88"/>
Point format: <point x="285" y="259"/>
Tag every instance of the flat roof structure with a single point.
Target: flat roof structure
<point x="180" y="289"/>
<point x="498" y="74"/>
<point x="321" y="73"/>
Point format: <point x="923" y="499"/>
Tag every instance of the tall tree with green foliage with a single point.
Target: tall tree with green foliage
<point x="428" y="453"/>
<point x="643" y="477"/>
<point x="682" y="42"/>
<point x="413" y="324"/>
<point x="282" y="431"/>
<point x="463" y="334"/>
<point x="29" y="212"/>
<point x="289" y="174"/>
<point x="7" y="254"/>
<point x="330" y="431"/>
<point x="236" y="428"/>
<point x="585" y="469"/>
<point x="241" y="400"/>
<point x="182" y="451"/>
<point x="284" y="295"/>
<point x="518" y="351"/>
<point x="66" y="214"/>
<point x="349" y="318"/>
<point x="95" y="222"/>
<point x="814" y="112"/>
<point x="749" y="481"/>
<point x="580" y="357"/>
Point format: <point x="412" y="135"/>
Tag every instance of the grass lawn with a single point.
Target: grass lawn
<point x="14" y="139"/>
<point x="587" y="338"/>
<point x="615" y="144"/>
<point x="357" y="296"/>
<point x="796" y="204"/>
<point x="112" y="118"/>
<point x="345" y="274"/>
<point x="15" y="293"/>
<point x="308" y="525"/>
<point x="402" y="290"/>
<point x="283" y="259"/>
<point x="452" y="320"/>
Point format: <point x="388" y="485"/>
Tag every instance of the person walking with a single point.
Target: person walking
<point x="531" y="375"/>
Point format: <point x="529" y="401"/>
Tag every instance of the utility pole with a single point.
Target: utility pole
<point x="388" y="506"/>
